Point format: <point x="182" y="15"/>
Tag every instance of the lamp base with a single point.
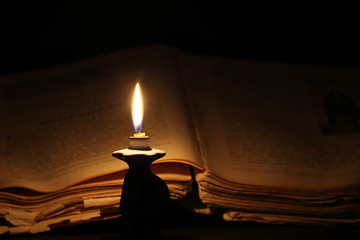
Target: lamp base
<point x="144" y="195"/>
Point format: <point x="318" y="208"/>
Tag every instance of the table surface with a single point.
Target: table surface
<point x="178" y="222"/>
<point x="210" y="231"/>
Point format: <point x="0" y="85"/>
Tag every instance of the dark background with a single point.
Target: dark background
<point x="36" y="34"/>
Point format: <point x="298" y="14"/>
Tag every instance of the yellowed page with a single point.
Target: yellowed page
<point x="60" y="126"/>
<point x="264" y="123"/>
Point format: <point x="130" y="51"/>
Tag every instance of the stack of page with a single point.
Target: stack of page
<point x="265" y="142"/>
<point x="281" y="142"/>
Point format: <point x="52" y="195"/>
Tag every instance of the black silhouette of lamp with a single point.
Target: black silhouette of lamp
<point x="144" y="195"/>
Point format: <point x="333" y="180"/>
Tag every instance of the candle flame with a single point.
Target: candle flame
<point x="137" y="109"/>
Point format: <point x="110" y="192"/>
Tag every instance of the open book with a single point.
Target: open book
<point x="263" y="145"/>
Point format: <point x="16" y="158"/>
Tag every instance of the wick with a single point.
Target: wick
<point x="139" y="135"/>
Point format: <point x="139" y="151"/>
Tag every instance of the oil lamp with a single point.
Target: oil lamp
<point x="144" y="195"/>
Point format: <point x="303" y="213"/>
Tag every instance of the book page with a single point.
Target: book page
<point x="60" y="126"/>
<point x="267" y="124"/>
